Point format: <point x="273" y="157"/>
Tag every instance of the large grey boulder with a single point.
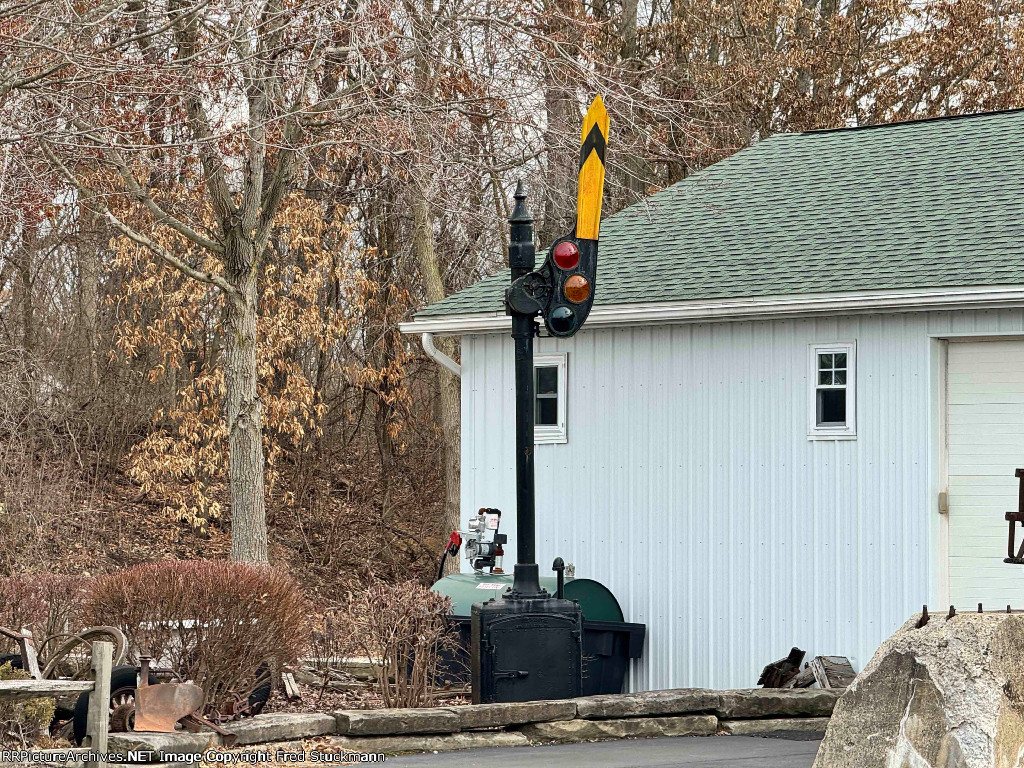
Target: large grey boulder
<point x="947" y="695"/>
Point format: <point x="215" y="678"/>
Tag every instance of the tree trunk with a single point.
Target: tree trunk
<point x="90" y="240"/>
<point x="628" y="29"/>
<point x="23" y="289"/>
<point x="448" y="383"/>
<point x="425" y="250"/>
<point x="561" y="148"/>
<point x="244" y="411"/>
<point x="562" y="163"/>
<point x="804" y="41"/>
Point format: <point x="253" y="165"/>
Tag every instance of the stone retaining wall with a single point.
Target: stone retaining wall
<point x="683" y="712"/>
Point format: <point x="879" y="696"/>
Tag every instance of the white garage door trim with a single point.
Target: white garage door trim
<point x="953" y="376"/>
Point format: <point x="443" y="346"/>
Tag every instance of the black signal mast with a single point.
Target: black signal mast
<point x="562" y="290"/>
<point x="528" y="645"/>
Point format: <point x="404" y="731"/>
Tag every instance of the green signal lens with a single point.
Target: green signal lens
<point x="562" y="320"/>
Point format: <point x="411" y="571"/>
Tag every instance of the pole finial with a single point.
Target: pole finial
<point x="520" y="213"/>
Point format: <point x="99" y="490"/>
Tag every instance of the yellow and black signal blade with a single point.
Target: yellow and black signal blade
<point x="571" y="266"/>
<point x="590" y="192"/>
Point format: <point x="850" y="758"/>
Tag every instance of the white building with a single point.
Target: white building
<point x="795" y="412"/>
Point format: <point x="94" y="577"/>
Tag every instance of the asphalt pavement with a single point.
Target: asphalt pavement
<point x="669" y="752"/>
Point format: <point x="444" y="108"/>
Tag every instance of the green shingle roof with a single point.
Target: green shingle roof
<point x="930" y="203"/>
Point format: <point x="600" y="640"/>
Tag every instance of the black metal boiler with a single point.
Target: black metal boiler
<point x="527" y="647"/>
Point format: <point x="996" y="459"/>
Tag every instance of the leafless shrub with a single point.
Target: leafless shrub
<point x="328" y="647"/>
<point x="215" y="623"/>
<point x="47" y="604"/>
<point x="43" y="483"/>
<point x="402" y="629"/>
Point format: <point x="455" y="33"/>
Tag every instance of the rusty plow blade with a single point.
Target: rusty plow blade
<point x="159" y="707"/>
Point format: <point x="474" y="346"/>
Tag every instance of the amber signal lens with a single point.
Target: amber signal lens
<point x="567" y="255"/>
<point x="577" y="289"/>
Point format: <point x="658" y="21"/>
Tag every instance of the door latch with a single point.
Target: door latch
<point x="513" y="674"/>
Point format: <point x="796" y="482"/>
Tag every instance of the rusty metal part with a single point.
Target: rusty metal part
<point x="82" y="643"/>
<point x="122" y="718"/>
<point x="1014" y="555"/>
<point x="193" y="722"/>
<point x="924" y="617"/>
<point x="159" y="707"/>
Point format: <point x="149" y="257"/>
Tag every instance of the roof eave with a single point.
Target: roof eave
<point x="716" y="310"/>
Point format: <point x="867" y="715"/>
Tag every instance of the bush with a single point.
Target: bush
<point x="49" y="605"/>
<point x="213" y="623"/>
<point x="328" y="646"/>
<point x="23" y="722"/>
<point x="401" y="629"/>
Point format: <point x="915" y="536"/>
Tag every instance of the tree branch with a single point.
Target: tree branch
<point x="134" y="236"/>
<point x="159" y="214"/>
<point x="170" y="258"/>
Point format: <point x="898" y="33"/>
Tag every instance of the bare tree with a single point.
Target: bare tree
<point x="232" y="88"/>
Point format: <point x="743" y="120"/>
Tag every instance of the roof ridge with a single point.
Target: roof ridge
<point x="899" y="123"/>
<point x="906" y="209"/>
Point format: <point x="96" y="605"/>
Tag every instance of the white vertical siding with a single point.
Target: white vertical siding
<point x="688" y="485"/>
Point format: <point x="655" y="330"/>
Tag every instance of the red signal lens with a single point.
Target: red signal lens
<point x="567" y="255"/>
<point x="577" y="289"/>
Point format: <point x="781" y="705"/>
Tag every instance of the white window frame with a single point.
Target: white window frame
<point x="830" y="432"/>
<point x="552" y="433"/>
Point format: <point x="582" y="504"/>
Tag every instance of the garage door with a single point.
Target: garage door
<point x="986" y="444"/>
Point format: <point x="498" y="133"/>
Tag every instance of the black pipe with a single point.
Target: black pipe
<point x="440" y="566"/>
<point x="521" y="260"/>
<point x="559" y="568"/>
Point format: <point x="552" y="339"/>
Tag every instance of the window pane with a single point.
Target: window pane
<point x="547" y="380"/>
<point x="547" y="412"/>
<point x="824" y="377"/>
<point x="840" y="377"/>
<point x="824" y="362"/>
<point x="840" y="360"/>
<point x="831" y="406"/>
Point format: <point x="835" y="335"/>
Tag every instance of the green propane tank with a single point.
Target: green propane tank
<point x="464" y="589"/>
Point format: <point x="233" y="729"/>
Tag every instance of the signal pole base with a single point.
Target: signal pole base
<point x="526" y="584"/>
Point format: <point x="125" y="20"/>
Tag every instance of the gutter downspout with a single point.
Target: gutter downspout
<point x="438" y="356"/>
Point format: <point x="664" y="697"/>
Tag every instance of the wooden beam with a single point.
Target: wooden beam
<point x="28" y="654"/>
<point x="98" y="721"/>
<point x="832" y="671"/>
<point x="34" y="689"/>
